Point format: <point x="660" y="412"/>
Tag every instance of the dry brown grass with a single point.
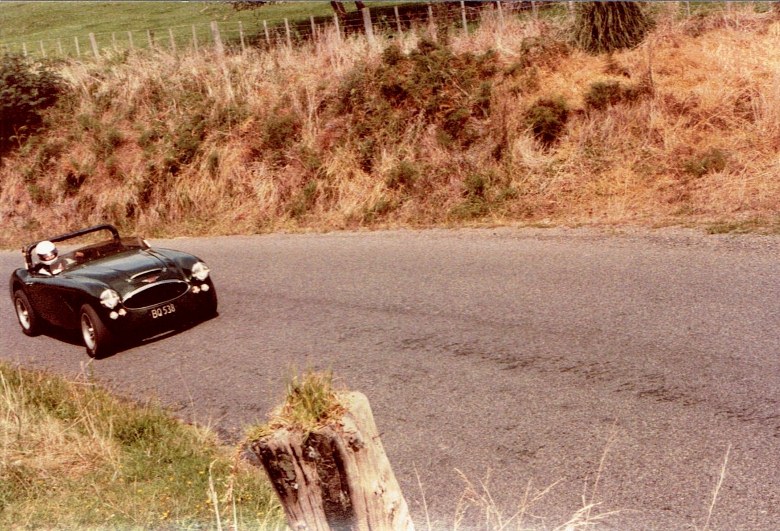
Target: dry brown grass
<point x="166" y="145"/>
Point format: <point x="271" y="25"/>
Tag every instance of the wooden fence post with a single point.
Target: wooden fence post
<point x="130" y="40"/>
<point x="463" y="17"/>
<point x="287" y="32"/>
<point x="313" y="28"/>
<point x="337" y="26"/>
<point x="150" y="38"/>
<point x="173" y="41"/>
<point x="113" y="41"/>
<point x="24" y="49"/>
<point x="218" y="46"/>
<point x="398" y="20"/>
<point x="267" y="35"/>
<point x="43" y="49"/>
<point x="337" y="476"/>
<point x="93" y="42"/>
<point x="241" y="36"/>
<point x="78" y="48"/>
<point x="368" y="25"/>
<point x="194" y="38"/>
<point x="431" y="23"/>
<point x="59" y="47"/>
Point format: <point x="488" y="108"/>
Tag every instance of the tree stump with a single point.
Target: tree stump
<point x="337" y="476"/>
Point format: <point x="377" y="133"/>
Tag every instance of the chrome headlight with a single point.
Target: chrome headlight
<point x="109" y="298"/>
<point x="200" y="271"/>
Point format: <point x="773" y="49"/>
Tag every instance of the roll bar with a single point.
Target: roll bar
<point x="27" y="251"/>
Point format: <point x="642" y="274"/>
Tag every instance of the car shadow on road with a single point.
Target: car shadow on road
<point x="73" y="337"/>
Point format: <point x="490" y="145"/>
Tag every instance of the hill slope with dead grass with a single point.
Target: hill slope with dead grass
<point x="510" y="124"/>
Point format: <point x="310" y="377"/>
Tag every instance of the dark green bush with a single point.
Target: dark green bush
<point x="475" y="185"/>
<point x="403" y="175"/>
<point x="547" y="119"/>
<point x="281" y="131"/>
<point x="304" y="199"/>
<point x="608" y="26"/>
<point x="26" y="90"/>
<point x="603" y="94"/>
<point x="431" y="85"/>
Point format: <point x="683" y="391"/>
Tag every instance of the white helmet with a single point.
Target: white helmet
<point x="47" y="252"/>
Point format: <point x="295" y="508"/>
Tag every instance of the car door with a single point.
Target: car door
<point x="49" y="297"/>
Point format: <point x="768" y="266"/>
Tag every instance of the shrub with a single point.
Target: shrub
<point x="26" y="90"/>
<point x="280" y="131"/>
<point x="608" y="26"/>
<point x="712" y="160"/>
<point x="475" y="185"/>
<point x="603" y="94"/>
<point x="547" y="119"/>
<point x="432" y="85"/>
<point x="403" y="175"/>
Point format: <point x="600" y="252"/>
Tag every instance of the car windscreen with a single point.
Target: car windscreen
<point x="84" y="249"/>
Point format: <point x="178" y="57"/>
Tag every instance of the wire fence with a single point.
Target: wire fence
<point x="237" y="37"/>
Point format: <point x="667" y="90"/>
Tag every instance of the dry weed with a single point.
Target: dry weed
<point x="198" y="144"/>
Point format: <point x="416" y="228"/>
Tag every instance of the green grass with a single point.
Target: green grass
<point x="50" y="22"/>
<point x="74" y="456"/>
<point x="33" y="23"/>
<point x="310" y="402"/>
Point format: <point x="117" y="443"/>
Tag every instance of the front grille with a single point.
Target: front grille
<point x="155" y="294"/>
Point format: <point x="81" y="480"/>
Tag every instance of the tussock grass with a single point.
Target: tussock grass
<point x="73" y="456"/>
<point x="309" y="403"/>
<point x="684" y="130"/>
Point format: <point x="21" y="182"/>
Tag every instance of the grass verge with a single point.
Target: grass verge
<point x="73" y="456"/>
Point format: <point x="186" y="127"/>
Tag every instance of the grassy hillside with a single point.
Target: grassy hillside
<point x="74" y="457"/>
<point x="35" y="21"/>
<point x="510" y="124"/>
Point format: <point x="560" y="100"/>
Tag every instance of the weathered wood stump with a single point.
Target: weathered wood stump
<point x="336" y="476"/>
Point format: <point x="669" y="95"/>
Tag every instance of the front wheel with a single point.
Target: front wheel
<point x="27" y="317"/>
<point x="97" y="338"/>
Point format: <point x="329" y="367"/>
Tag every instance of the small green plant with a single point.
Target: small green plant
<point x="711" y="161"/>
<point x="107" y="143"/>
<point x="475" y="185"/>
<point x="380" y="208"/>
<point x="471" y="208"/>
<point x="402" y="175"/>
<point x="26" y="90"/>
<point x="304" y="200"/>
<point x="39" y="194"/>
<point x="281" y="131"/>
<point x="547" y="119"/>
<point x="148" y="137"/>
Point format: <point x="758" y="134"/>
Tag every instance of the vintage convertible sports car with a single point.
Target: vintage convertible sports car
<point x="111" y="289"/>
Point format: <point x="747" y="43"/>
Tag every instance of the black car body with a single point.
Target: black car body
<point x="112" y="289"/>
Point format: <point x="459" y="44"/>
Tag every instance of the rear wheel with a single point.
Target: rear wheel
<point x="98" y="339"/>
<point x="28" y="320"/>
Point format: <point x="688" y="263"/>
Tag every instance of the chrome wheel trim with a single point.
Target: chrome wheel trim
<point x="23" y="314"/>
<point x="88" y="331"/>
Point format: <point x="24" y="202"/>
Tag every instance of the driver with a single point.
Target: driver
<point x="49" y="264"/>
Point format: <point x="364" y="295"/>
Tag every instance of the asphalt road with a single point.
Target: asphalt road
<point x="621" y="369"/>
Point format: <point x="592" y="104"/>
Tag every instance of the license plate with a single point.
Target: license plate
<point x="163" y="310"/>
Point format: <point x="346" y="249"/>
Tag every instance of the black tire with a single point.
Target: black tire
<point x="28" y="319"/>
<point x="98" y="340"/>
